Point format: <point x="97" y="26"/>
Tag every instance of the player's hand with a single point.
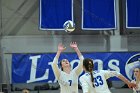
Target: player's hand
<point x="61" y="47"/>
<point x="73" y="45"/>
<point x="132" y="85"/>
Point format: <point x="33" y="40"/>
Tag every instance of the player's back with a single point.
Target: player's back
<point x="68" y="82"/>
<point x="100" y="81"/>
<point x="85" y="81"/>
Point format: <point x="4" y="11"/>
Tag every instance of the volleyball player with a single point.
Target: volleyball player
<point x="67" y="77"/>
<point x="95" y="81"/>
<point x="136" y="80"/>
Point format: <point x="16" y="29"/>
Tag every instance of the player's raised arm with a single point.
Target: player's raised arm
<point x="55" y="67"/>
<point x="79" y="68"/>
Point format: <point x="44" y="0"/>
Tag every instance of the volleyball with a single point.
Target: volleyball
<point x="69" y="26"/>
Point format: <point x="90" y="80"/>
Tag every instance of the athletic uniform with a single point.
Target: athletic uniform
<point x="100" y="82"/>
<point x="68" y="82"/>
<point x="137" y="90"/>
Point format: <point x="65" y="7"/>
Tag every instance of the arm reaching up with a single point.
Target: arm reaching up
<point x="61" y="48"/>
<point x="79" y="68"/>
<point x="55" y="67"/>
<point x="75" y="47"/>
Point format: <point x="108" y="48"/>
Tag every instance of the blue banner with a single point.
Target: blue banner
<point x="98" y="15"/>
<point x="28" y="68"/>
<point x="54" y="13"/>
<point x="132" y="13"/>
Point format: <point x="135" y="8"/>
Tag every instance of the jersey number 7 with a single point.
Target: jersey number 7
<point x="70" y="81"/>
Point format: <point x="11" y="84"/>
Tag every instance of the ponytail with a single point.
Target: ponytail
<point x="91" y="73"/>
<point x="88" y="64"/>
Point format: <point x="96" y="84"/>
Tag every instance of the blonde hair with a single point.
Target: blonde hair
<point x="138" y="80"/>
<point x="25" y="91"/>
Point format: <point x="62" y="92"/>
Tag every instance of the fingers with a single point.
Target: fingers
<point x="73" y="43"/>
<point x="64" y="47"/>
<point x="61" y="46"/>
<point x="132" y="85"/>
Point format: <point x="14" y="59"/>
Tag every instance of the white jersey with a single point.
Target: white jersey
<point x="137" y="90"/>
<point x="68" y="82"/>
<point x="100" y="82"/>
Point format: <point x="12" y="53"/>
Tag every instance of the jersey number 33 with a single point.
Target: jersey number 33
<point x="98" y="81"/>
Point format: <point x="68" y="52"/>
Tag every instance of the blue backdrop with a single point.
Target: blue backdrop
<point x="27" y="68"/>
<point x="132" y="13"/>
<point x="98" y="14"/>
<point x="53" y="13"/>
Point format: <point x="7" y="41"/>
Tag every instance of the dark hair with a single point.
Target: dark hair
<point x="88" y="64"/>
<point x="61" y="64"/>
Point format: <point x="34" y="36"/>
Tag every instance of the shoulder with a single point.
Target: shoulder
<point x="105" y="71"/>
<point x="98" y="71"/>
<point x="101" y="72"/>
<point x="84" y="76"/>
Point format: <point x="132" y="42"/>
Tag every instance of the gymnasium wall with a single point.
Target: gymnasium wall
<point x="20" y="34"/>
<point x="48" y="44"/>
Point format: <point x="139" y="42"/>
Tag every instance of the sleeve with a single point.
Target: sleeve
<point x="109" y="74"/>
<point x="55" y="68"/>
<point x="79" y="68"/>
<point x="84" y="85"/>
